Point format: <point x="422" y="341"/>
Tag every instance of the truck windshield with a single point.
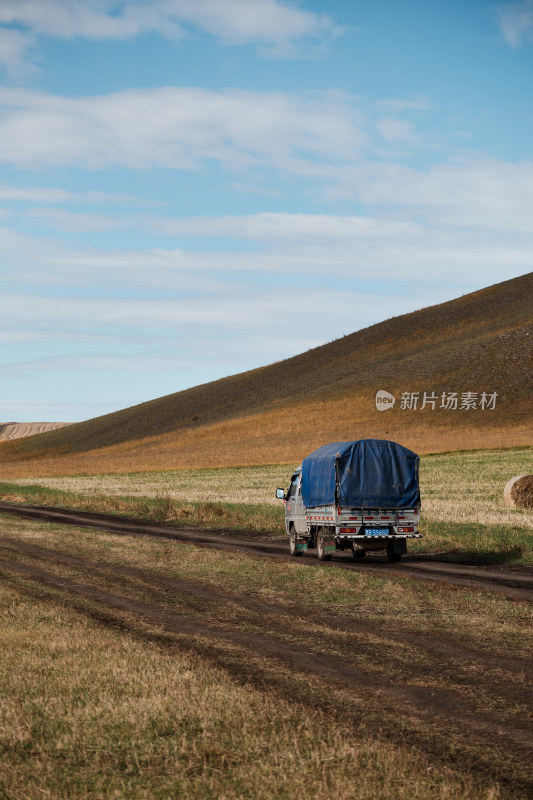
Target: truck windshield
<point x="292" y="488"/>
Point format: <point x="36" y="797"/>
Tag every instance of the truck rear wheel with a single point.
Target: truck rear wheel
<point x="292" y="543"/>
<point x="322" y="555"/>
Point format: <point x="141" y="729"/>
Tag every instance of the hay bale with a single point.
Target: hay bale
<point x="518" y="492"/>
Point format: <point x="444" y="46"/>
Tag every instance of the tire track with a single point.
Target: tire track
<point x="428" y="702"/>
<point x="334" y="621"/>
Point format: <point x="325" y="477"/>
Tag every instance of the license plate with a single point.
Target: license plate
<point x="377" y="532"/>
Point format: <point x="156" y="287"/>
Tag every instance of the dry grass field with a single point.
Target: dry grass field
<point x="464" y="487"/>
<point x="463" y="511"/>
<point x="149" y="669"/>
<point x="275" y="414"/>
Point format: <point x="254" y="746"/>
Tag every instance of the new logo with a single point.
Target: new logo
<point x="384" y="400"/>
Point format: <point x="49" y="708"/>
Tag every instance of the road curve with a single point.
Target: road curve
<point x="512" y="584"/>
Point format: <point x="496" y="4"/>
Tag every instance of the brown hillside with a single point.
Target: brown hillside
<point x="16" y="430"/>
<point x="481" y="342"/>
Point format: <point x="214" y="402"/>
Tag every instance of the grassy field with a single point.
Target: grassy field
<point x="463" y="512"/>
<point x="148" y="669"/>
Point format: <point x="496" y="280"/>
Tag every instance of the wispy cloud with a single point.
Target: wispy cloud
<point x="15" y="48"/>
<point x="398" y="105"/>
<point x="397" y="130"/>
<point x="54" y="195"/>
<point x="68" y="221"/>
<point x="180" y="128"/>
<point x="41" y="410"/>
<point x="516" y="22"/>
<point x="478" y="194"/>
<point x="101" y="361"/>
<point x="323" y="139"/>
<point x="229" y="315"/>
<point x="318" y="246"/>
<point x="278" y="29"/>
<point x="270" y="227"/>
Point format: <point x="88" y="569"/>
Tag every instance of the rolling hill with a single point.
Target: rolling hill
<point x="479" y="343"/>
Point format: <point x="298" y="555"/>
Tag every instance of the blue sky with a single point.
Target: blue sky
<point x="192" y="189"/>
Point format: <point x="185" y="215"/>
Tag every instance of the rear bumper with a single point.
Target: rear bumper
<point x="363" y="537"/>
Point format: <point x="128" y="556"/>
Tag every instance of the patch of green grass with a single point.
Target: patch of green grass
<point x="259" y="518"/>
<point x="474" y="542"/>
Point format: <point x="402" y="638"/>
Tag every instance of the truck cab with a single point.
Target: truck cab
<point x="295" y="515"/>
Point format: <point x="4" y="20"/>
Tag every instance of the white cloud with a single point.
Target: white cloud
<point x="474" y="193"/>
<point x="234" y="312"/>
<point x="14" y="49"/>
<point x="107" y="361"/>
<point x="16" y="336"/>
<point x="397" y="130"/>
<point x="397" y="105"/>
<point x="276" y="227"/>
<point x="318" y="138"/>
<point x="348" y="249"/>
<point x="53" y="195"/>
<point x="516" y="22"/>
<point x="488" y="194"/>
<point x="279" y="28"/>
<point x="267" y="227"/>
<point x="42" y="410"/>
<point x="178" y="128"/>
<point x="68" y="18"/>
<point x="78" y="223"/>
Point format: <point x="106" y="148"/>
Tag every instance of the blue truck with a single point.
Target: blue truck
<point x="361" y="495"/>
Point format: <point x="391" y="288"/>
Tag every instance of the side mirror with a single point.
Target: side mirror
<point x="280" y="494"/>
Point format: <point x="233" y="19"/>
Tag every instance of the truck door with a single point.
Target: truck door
<point x="299" y="509"/>
<point x="295" y="511"/>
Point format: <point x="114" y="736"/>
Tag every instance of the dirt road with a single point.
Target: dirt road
<point x="507" y="582"/>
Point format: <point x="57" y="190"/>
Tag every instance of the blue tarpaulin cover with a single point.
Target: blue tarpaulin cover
<point x="372" y="473"/>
